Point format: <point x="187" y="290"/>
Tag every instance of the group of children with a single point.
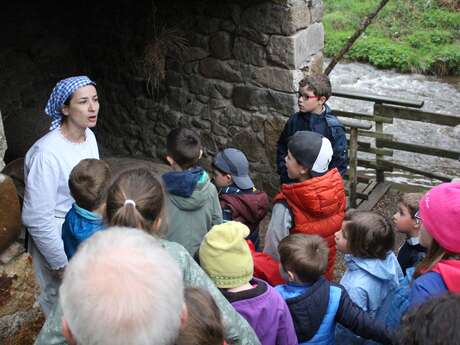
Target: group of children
<point x="217" y="222"/>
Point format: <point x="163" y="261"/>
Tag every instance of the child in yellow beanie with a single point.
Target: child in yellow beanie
<point x="226" y="257"/>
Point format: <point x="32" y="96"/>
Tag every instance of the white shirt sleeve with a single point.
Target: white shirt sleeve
<point x="278" y="228"/>
<point x="38" y="215"/>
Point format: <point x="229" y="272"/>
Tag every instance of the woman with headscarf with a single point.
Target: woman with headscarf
<point x="73" y="107"/>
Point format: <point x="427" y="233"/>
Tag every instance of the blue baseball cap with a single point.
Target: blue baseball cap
<point x="235" y="163"/>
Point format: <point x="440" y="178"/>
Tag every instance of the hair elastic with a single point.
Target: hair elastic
<point x="130" y="202"/>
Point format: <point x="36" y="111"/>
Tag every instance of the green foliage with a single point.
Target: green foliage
<point x="411" y="36"/>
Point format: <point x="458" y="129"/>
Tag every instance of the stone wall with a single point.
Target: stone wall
<point x="236" y="84"/>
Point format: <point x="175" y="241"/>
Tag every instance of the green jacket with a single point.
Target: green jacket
<point x="237" y="330"/>
<point x="190" y="218"/>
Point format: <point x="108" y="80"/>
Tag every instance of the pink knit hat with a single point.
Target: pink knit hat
<point x="440" y="213"/>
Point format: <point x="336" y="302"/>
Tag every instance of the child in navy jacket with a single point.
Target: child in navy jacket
<point x="316" y="116"/>
<point x="316" y="304"/>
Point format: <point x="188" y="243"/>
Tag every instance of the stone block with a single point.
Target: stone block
<point x="273" y="126"/>
<point x="220" y="44"/>
<point x="257" y="122"/>
<point x="282" y="103"/>
<point x="300" y="16"/>
<point x="179" y="98"/>
<point x="194" y="108"/>
<point x="225" y="89"/>
<point x="253" y="35"/>
<point x="199" y="85"/>
<point x="247" y="142"/>
<point x="317" y="11"/>
<point x="217" y="129"/>
<point x="308" y="42"/>
<point x="209" y="143"/>
<point x="213" y="68"/>
<point x="249" y="97"/>
<point x="314" y="65"/>
<point x="195" y="54"/>
<point x="294" y="51"/>
<point x="249" y="52"/>
<point x="202" y="124"/>
<point x="277" y="78"/>
<point x="10" y="213"/>
<point x="280" y="51"/>
<point x="268" y="18"/>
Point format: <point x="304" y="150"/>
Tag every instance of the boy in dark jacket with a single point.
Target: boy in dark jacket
<point x="192" y="203"/>
<point x="316" y="304"/>
<point x="89" y="182"/>
<point x="316" y="116"/>
<point x="411" y="252"/>
<point x="238" y="197"/>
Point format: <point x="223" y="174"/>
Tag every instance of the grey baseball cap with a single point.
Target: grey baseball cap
<point x="235" y="163"/>
<point x="311" y="150"/>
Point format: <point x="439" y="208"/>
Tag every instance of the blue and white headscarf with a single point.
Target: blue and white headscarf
<point x="62" y="91"/>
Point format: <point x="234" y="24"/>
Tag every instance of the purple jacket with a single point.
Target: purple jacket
<point x="269" y="316"/>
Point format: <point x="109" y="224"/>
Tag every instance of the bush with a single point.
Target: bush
<point x="411" y="36"/>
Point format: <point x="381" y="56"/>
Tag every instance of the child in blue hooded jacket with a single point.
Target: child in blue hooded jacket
<point x="89" y="182"/>
<point x="373" y="271"/>
<point x="367" y="240"/>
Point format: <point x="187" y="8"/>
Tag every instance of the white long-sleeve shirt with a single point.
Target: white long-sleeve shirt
<point x="47" y="198"/>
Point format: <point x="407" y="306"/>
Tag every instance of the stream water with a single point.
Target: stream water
<point x="439" y="95"/>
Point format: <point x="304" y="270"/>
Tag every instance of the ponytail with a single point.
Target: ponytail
<point x="135" y="199"/>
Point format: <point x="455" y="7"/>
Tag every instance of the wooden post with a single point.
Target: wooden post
<point x="353" y="161"/>
<point x="379" y="172"/>
<point x="354" y="125"/>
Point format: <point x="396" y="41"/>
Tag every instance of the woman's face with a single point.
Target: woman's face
<point x="83" y="108"/>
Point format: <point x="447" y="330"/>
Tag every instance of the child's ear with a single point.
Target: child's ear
<point x="183" y="316"/>
<point x="291" y="276"/>
<point x="201" y="154"/>
<point x="67" y="333"/>
<point x="170" y="160"/>
<point x="322" y="99"/>
<point x="156" y="226"/>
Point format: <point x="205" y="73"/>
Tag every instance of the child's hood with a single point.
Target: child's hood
<point x="321" y="196"/>
<point x="182" y="183"/>
<point x="188" y="190"/>
<point x="450" y="273"/>
<point x="387" y="269"/>
<point x="82" y="223"/>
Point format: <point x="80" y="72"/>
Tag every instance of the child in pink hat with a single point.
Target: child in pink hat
<point x="439" y="272"/>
